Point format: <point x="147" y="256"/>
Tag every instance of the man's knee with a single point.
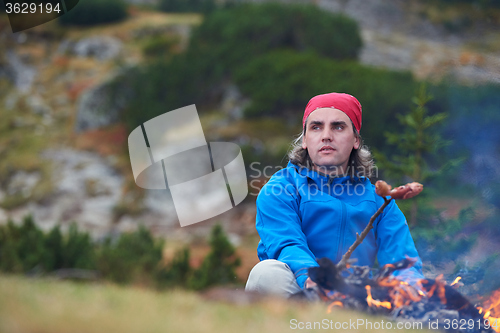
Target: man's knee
<point x="272" y="277"/>
<point x="269" y="268"/>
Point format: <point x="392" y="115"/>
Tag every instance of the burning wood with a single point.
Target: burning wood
<point x="431" y="302"/>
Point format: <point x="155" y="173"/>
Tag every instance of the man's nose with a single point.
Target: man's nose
<point x="327" y="135"/>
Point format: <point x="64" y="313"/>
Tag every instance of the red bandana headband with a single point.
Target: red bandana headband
<point x="343" y="102"/>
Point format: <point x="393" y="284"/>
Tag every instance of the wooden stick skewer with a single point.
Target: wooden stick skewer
<point x="359" y="238"/>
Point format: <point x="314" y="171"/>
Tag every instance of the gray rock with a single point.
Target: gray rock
<point x="70" y="201"/>
<point x="23" y="183"/>
<point x="37" y="105"/>
<point x="19" y="73"/>
<point x="102" y="48"/>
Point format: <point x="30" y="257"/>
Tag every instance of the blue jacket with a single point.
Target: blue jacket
<point x="303" y="215"/>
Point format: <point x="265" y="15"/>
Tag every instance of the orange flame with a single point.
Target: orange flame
<point x="401" y="294"/>
<point x="456" y="280"/>
<point x="492" y="310"/>
<point x="333" y="304"/>
<point x="375" y="302"/>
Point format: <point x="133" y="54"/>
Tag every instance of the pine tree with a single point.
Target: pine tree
<point x="31" y="246"/>
<point x="418" y="141"/>
<point x="9" y="260"/>
<point x="219" y="265"/>
<point x="54" y="243"/>
<point x="133" y="257"/>
<point x="78" y="250"/>
<point x="176" y="273"/>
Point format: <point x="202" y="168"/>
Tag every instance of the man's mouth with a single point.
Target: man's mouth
<point x="326" y="149"/>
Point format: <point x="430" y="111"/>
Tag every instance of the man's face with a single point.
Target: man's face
<point x="329" y="139"/>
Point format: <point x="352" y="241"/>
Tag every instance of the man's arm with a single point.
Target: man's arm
<point x="395" y="243"/>
<point x="280" y="228"/>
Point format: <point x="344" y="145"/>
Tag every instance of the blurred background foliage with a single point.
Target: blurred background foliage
<point x="228" y="41"/>
<point x="134" y="257"/>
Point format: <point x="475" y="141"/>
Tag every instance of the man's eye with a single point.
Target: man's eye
<point x="339" y="127"/>
<point x="315" y="127"/>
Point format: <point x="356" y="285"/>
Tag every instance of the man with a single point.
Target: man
<point x="315" y="206"/>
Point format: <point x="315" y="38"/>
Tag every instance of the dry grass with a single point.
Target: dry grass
<point x="50" y="306"/>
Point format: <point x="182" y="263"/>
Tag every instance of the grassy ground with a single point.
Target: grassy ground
<point x="33" y="305"/>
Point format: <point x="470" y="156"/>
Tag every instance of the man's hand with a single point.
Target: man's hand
<point x="309" y="283"/>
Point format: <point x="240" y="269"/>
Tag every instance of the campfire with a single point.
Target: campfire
<point x="432" y="302"/>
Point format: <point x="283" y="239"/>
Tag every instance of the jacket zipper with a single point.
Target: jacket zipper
<point x="342" y="232"/>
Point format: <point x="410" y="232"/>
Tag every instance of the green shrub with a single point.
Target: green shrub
<point x="281" y="82"/>
<point x="226" y="41"/>
<point x="93" y="12"/>
<point x="217" y="268"/>
<point x="157" y="88"/>
<point x="132" y="257"/>
<point x="234" y="36"/>
<point x="219" y="265"/>
<point x="9" y="258"/>
<point x="176" y="273"/>
<point x="160" y="46"/>
<point x="55" y="242"/>
<point x="25" y="248"/>
<point x="29" y="245"/>
<point x="78" y="250"/>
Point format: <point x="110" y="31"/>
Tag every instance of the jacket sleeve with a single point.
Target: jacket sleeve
<point x="395" y="243"/>
<point x="280" y="229"/>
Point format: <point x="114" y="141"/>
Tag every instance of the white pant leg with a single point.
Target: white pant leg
<point x="272" y="277"/>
